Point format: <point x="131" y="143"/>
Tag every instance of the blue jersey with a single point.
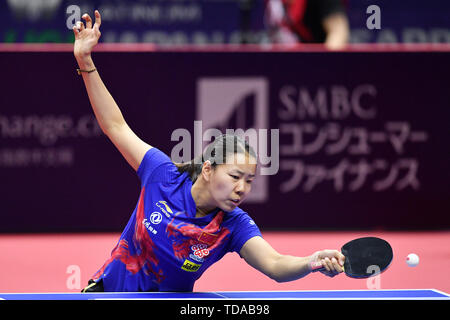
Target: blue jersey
<point x="164" y="247"/>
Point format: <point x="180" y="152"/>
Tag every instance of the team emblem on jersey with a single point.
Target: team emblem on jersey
<point x="193" y="243"/>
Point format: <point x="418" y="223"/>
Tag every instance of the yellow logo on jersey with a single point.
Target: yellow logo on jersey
<point x="164" y="208"/>
<point x="190" y="266"/>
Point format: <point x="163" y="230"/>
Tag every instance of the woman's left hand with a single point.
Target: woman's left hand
<point x="332" y="261"/>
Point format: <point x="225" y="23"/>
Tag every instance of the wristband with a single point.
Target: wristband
<point x="87" y="71"/>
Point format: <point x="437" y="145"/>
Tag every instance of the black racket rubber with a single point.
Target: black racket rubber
<point x="366" y="257"/>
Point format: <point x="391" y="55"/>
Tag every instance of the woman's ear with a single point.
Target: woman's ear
<point x="207" y="170"/>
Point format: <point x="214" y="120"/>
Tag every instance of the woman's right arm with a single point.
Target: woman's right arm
<point x="106" y="111"/>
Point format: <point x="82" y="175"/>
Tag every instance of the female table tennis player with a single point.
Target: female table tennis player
<point x="187" y="216"/>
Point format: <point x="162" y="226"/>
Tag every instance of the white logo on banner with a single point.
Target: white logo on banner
<point x="236" y="103"/>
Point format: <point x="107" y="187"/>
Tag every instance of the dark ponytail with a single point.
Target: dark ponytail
<point x="193" y="167"/>
<point x="217" y="152"/>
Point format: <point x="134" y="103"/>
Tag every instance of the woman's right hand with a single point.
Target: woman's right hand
<point x="86" y="37"/>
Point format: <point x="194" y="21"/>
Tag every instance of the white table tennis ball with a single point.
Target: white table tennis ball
<point x="412" y="259"/>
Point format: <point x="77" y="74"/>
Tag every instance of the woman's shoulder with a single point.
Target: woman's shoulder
<point x="158" y="167"/>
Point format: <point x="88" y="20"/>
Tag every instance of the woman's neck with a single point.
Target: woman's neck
<point x="202" y="199"/>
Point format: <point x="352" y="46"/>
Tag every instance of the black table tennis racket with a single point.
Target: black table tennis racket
<point x="364" y="257"/>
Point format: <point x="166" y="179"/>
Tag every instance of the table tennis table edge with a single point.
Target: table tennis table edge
<point x="222" y="295"/>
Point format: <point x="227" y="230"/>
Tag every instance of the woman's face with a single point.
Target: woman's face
<point x="230" y="183"/>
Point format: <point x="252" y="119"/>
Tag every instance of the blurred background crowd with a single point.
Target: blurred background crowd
<point x="168" y="22"/>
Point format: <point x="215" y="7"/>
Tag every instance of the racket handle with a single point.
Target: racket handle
<point x="315" y="265"/>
